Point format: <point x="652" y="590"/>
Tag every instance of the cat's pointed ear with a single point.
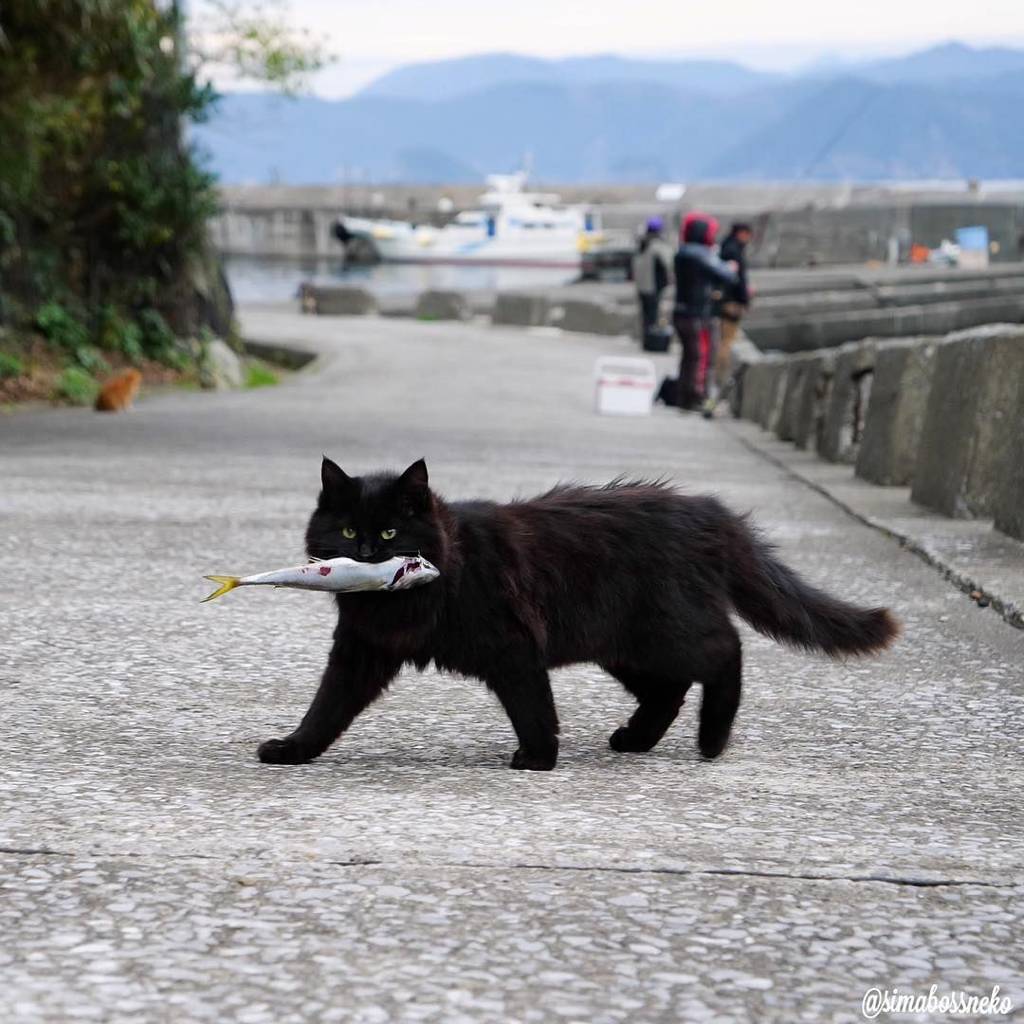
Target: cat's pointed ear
<point x="337" y="484"/>
<point x="414" y="487"/>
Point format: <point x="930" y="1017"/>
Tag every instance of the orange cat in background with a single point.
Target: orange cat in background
<point x="119" y="392"/>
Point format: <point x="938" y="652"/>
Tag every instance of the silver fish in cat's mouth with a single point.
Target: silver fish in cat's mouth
<point x="340" y="575"/>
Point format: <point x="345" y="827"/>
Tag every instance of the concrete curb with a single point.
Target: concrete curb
<point x="586" y="316"/>
<point x="442" y="304"/>
<point x="1007" y="603"/>
<point x="301" y="361"/>
<point x="288" y="356"/>
<point x="338" y="300"/>
<point x="523" y="309"/>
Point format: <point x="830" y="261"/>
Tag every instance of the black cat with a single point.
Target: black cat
<point x="632" y="576"/>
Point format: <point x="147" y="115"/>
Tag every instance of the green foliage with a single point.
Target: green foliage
<point x="61" y="326"/>
<point x="10" y="366"/>
<point x="89" y="359"/>
<point x="102" y="202"/>
<point x="116" y="333"/>
<point x="157" y="337"/>
<point x="259" y="376"/>
<point x="144" y="335"/>
<point x="76" y="386"/>
<point x="103" y="206"/>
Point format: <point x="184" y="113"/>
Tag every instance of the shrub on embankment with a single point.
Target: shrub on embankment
<point x="103" y="206"/>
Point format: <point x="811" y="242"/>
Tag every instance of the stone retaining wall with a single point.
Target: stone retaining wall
<point x="945" y="415"/>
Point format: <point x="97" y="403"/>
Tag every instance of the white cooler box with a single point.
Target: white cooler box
<point x="624" y="386"/>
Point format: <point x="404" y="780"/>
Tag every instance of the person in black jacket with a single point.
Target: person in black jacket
<point x="731" y="305"/>
<point x="697" y="271"/>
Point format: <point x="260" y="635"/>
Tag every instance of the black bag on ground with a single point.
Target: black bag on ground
<point x="669" y="391"/>
<point x="657" y="338"/>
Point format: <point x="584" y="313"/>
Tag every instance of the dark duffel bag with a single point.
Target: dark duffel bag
<point x="668" y="393"/>
<point x="657" y="338"/>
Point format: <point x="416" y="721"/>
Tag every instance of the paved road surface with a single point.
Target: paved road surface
<point x="864" y="829"/>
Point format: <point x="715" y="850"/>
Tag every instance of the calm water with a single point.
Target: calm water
<point x="271" y="280"/>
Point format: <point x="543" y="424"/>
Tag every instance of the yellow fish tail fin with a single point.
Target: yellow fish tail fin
<point x="224" y="584"/>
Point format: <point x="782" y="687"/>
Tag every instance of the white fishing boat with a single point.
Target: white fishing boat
<point x="509" y="227"/>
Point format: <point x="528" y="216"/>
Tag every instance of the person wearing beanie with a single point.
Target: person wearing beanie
<point x="698" y="271"/>
<point x="652" y="273"/>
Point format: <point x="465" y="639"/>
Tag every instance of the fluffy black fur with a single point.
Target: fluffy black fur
<point x="632" y="576"/>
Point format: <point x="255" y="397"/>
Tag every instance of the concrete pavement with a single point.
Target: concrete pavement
<point x="863" y="830"/>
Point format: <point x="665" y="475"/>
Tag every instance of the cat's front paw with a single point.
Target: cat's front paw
<point x="533" y="762"/>
<point x="286" y="751"/>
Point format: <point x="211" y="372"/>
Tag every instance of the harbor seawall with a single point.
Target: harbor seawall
<point x="795" y="225"/>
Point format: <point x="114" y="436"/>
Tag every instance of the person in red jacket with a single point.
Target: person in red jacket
<point x="698" y="271"/>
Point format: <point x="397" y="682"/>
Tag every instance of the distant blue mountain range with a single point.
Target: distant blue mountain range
<point x="950" y="111"/>
<point x="445" y="80"/>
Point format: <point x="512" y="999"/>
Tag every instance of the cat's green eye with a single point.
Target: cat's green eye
<point x="348" y="533"/>
<point x="388" y="534"/>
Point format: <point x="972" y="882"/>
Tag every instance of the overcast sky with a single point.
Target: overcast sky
<point x="371" y="36"/>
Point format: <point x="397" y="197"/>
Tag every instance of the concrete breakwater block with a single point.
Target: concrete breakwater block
<point x="909" y="294"/>
<point x="436" y="304"/>
<point x="524" y="309"/>
<point x="1008" y="493"/>
<point x="829" y="330"/>
<point x="810" y="304"/>
<point x="896" y="409"/>
<point x="775" y="391"/>
<point x="743" y="355"/>
<point x="338" y="300"/>
<point x="589" y="317"/>
<point x="753" y="386"/>
<point x="812" y="399"/>
<point x="846" y="411"/>
<point x="800" y="367"/>
<point x="762" y="384"/>
<point x="968" y="437"/>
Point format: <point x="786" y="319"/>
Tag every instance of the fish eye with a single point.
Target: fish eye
<point x="348" y="533"/>
<point x="388" y="534"/>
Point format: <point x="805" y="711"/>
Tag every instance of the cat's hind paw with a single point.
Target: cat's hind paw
<point x="284" y="751"/>
<point x="712" y="741"/>
<point x="525" y="762"/>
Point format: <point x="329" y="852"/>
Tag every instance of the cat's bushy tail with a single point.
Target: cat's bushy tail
<point x="778" y="603"/>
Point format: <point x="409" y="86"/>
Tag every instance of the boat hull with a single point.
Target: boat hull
<point x="510" y="245"/>
<point x="568" y="263"/>
<point x="509" y="252"/>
